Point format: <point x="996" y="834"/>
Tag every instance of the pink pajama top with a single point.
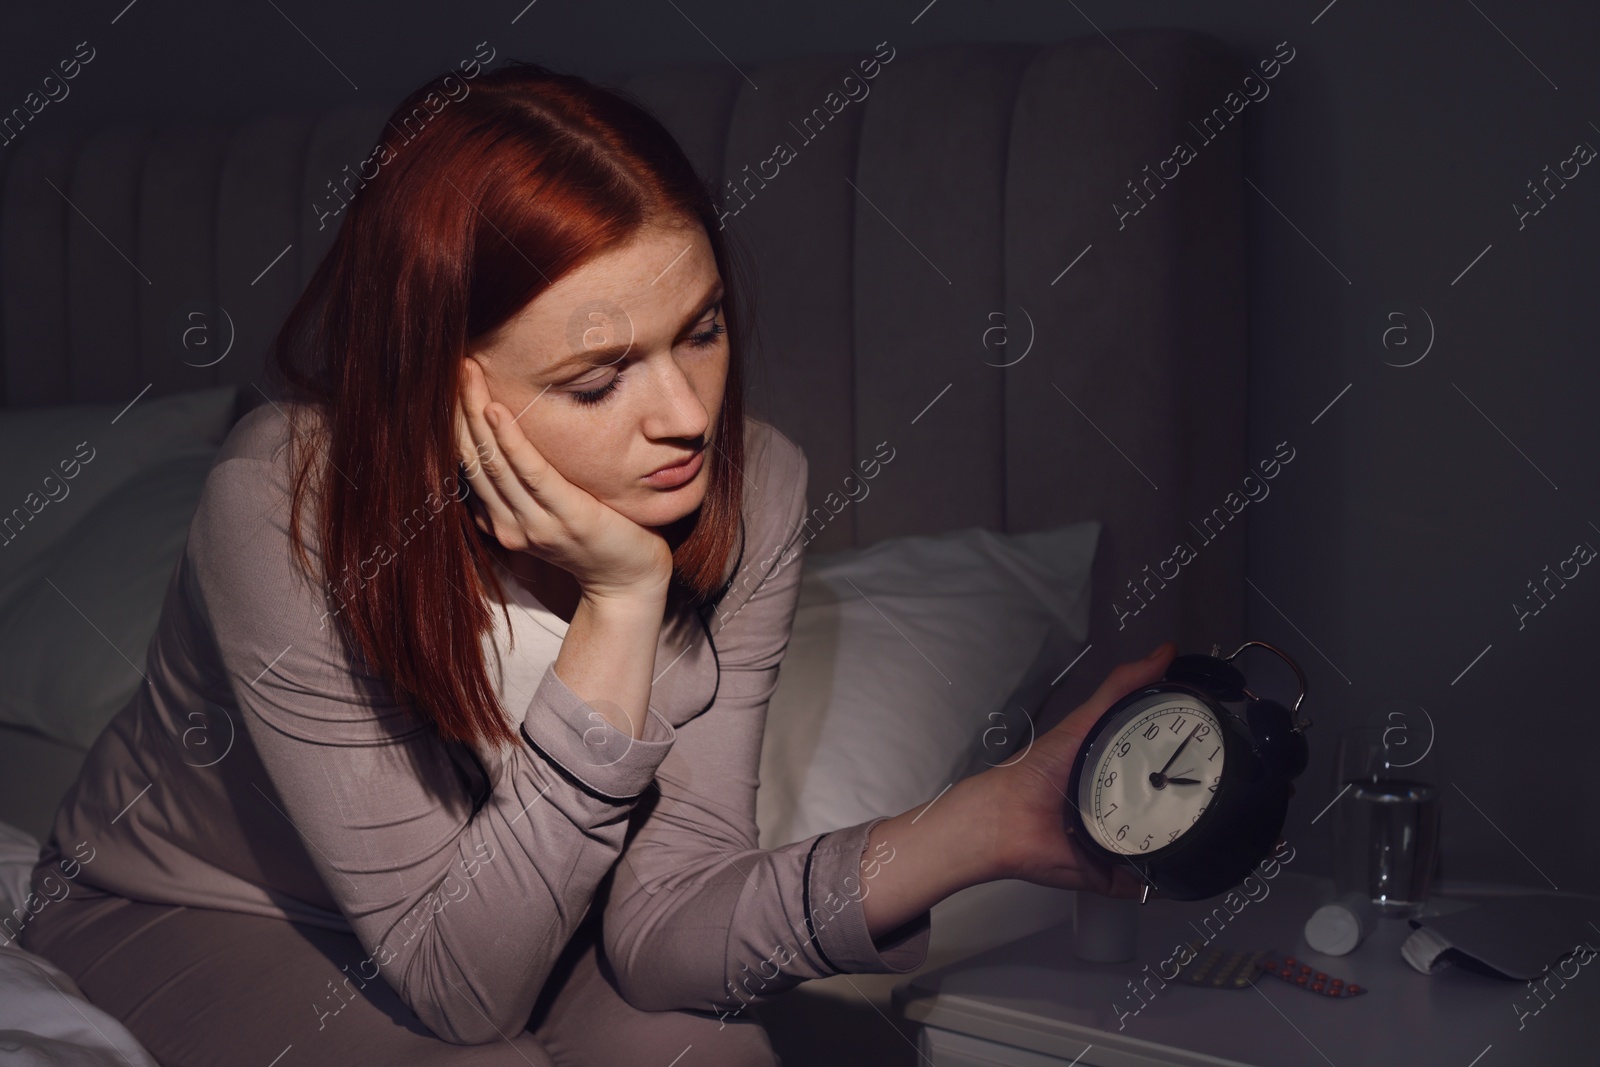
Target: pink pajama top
<point x="261" y="770"/>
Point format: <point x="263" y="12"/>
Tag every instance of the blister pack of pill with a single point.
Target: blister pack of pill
<point x="1221" y="968"/>
<point x="1308" y="977"/>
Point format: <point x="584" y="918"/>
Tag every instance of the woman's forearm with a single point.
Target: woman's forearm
<point x="609" y="652"/>
<point x="937" y="849"/>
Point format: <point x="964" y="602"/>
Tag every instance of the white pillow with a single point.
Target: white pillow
<point x="74" y="628"/>
<point x="39" y="501"/>
<point x="913" y="663"/>
<point x="46" y="1021"/>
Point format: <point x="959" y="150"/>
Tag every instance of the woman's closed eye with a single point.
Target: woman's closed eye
<point x="594" y="396"/>
<point x="700" y="339"/>
<point x="708" y="335"/>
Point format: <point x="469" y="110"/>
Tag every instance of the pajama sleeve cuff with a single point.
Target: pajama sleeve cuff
<point x="835" y="887"/>
<point x="603" y="759"/>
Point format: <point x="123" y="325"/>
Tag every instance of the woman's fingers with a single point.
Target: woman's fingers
<point x="1062" y="740"/>
<point x="491" y="455"/>
<point x="1125" y="678"/>
<point x="485" y="503"/>
<point x="532" y="480"/>
<point x="507" y="470"/>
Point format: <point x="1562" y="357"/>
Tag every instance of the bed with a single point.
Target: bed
<point x="942" y="268"/>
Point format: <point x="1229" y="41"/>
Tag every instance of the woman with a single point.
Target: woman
<point x="449" y="745"/>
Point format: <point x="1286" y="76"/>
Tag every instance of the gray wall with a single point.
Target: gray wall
<point x="1387" y="157"/>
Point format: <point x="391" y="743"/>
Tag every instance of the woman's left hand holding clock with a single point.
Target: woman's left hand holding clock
<point x="1030" y="836"/>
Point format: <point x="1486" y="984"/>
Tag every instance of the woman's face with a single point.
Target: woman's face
<point x="617" y="371"/>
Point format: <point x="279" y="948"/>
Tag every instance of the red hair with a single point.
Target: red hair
<point x="504" y="191"/>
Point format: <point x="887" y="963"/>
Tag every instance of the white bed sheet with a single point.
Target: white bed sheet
<point x="45" y="1020"/>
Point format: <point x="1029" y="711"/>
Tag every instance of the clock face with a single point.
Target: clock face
<point x="1156" y="771"/>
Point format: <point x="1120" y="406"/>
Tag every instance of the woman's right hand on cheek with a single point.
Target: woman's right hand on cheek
<point x="530" y="507"/>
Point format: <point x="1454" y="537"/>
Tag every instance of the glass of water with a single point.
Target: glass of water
<point x="1385" y="823"/>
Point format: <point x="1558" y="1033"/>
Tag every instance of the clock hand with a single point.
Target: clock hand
<point x="1183" y="781"/>
<point x="1175" y="753"/>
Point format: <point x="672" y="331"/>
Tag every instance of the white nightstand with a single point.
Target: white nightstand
<point x="1031" y="1003"/>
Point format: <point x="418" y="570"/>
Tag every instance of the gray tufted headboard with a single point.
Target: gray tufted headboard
<point x="961" y="198"/>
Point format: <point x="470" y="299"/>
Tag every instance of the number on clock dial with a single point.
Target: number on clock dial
<point x="1148" y="816"/>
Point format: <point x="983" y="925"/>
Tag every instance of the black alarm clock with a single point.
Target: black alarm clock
<point x="1184" y="789"/>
